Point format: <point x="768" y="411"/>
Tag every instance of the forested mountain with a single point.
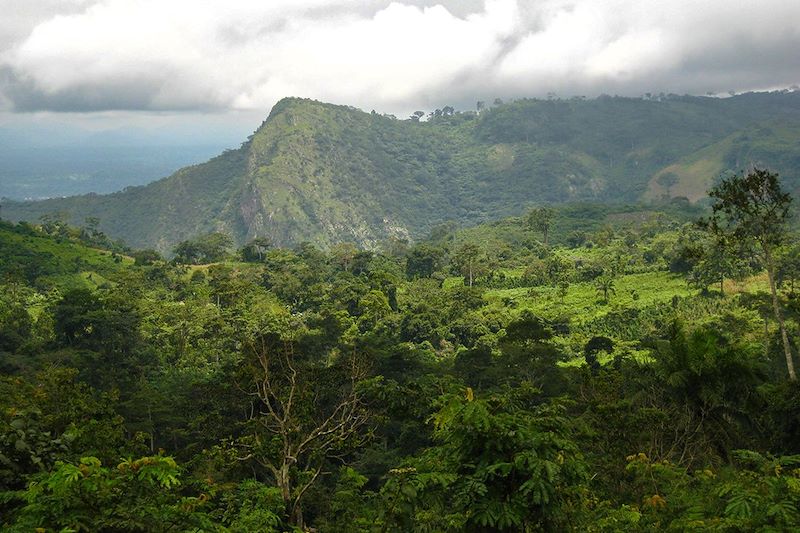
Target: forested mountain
<point x="325" y="173"/>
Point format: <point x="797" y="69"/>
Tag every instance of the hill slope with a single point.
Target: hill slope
<point x="327" y="173"/>
<point x="44" y="261"/>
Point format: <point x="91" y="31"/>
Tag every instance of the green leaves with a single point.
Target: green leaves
<point x="497" y="464"/>
<point x="750" y="207"/>
<point x="137" y="495"/>
<point x="757" y="494"/>
<point x="739" y="504"/>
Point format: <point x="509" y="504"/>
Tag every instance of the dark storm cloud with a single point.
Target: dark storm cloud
<point x="93" y="55"/>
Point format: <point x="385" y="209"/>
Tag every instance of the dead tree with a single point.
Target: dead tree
<point x="310" y="413"/>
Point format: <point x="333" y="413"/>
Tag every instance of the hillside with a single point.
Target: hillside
<point x="44" y="261"/>
<point x="325" y="173"/>
<point x="770" y="143"/>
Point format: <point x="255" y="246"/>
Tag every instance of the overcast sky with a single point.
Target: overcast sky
<point x="117" y="62"/>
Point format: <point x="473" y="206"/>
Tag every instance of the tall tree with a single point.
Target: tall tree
<point x="788" y="267"/>
<point x="668" y="180"/>
<point x="256" y="248"/>
<point x="750" y="211"/>
<point x="718" y="263"/>
<point x="208" y="248"/>
<point x="605" y="285"/>
<point x="466" y="261"/>
<point x="309" y="412"/>
<point x="423" y="259"/>
<point x="541" y="219"/>
<point x="499" y="463"/>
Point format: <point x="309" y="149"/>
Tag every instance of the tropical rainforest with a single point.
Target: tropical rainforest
<point x="587" y="366"/>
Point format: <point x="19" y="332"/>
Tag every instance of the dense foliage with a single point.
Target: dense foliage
<point x="619" y="375"/>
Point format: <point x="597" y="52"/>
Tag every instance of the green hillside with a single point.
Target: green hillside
<point x="31" y="257"/>
<point x="325" y="173"/>
<point x="773" y="144"/>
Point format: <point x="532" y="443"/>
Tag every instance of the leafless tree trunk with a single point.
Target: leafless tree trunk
<point x="309" y="433"/>
<point x="787" y="349"/>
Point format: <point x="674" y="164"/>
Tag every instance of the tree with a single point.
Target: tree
<point x="788" y="267"/>
<point x="711" y="378"/>
<point x="255" y="249"/>
<point x="563" y="289"/>
<point x="497" y="464"/>
<point x="750" y="212"/>
<point x="667" y="180"/>
<point x="605" y="285"/>
<point x="717" y="264"/>
<point x="541" y="220"/>
<point x="146" y="257"/>
<point x="343" y="255"/>
<point x="138" y="495"/>
<point x="594" y="346"/>
<point x="311" y="412"/>
<point x="208" y="248"/>
<point x="51" y="417"/>
<point x="85" y="321"/>
<point x="16" y="324"/>
<point x="466" y="261"/>
<point x="422" y="261"/>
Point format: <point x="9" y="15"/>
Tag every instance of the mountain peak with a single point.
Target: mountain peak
<point x="329" y="173"/>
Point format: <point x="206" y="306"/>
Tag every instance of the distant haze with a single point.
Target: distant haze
<point x="47" y="155"/>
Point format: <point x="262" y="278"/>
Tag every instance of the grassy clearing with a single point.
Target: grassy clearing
<point x="640" y="296"/>
<point x="59" y="263"/>
<point x="584" y="303"/>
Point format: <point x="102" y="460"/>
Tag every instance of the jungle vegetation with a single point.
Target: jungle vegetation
<point x="578" y="368"/>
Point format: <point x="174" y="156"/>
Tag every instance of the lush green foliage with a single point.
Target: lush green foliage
<point x="477" y="381"/>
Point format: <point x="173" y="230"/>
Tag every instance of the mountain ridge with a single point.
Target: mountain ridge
<point x="329" y="173"/>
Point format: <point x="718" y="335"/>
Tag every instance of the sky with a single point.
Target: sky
<point x="213" y="68"/>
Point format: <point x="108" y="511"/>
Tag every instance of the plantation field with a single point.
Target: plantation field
<point x="583" y="302"/>
<point x="642" y="304"/>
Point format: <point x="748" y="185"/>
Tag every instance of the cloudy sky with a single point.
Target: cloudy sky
<point x="223" y="63"/>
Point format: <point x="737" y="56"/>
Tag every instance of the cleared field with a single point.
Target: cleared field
<point x="583" y="302"/>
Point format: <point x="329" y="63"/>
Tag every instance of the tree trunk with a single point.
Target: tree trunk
<point x="722" y="286"/>
<point x="766" y="338"/>
<point x="297" y="518"/>
<point x="787" y="350"/>
<point x="284" y="484"/>
<point x="152" y="429"/>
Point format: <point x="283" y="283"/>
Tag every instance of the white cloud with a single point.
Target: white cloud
<point x="245" y="54"/>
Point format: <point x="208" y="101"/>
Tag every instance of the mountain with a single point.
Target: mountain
<point x="328" y="173"/>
